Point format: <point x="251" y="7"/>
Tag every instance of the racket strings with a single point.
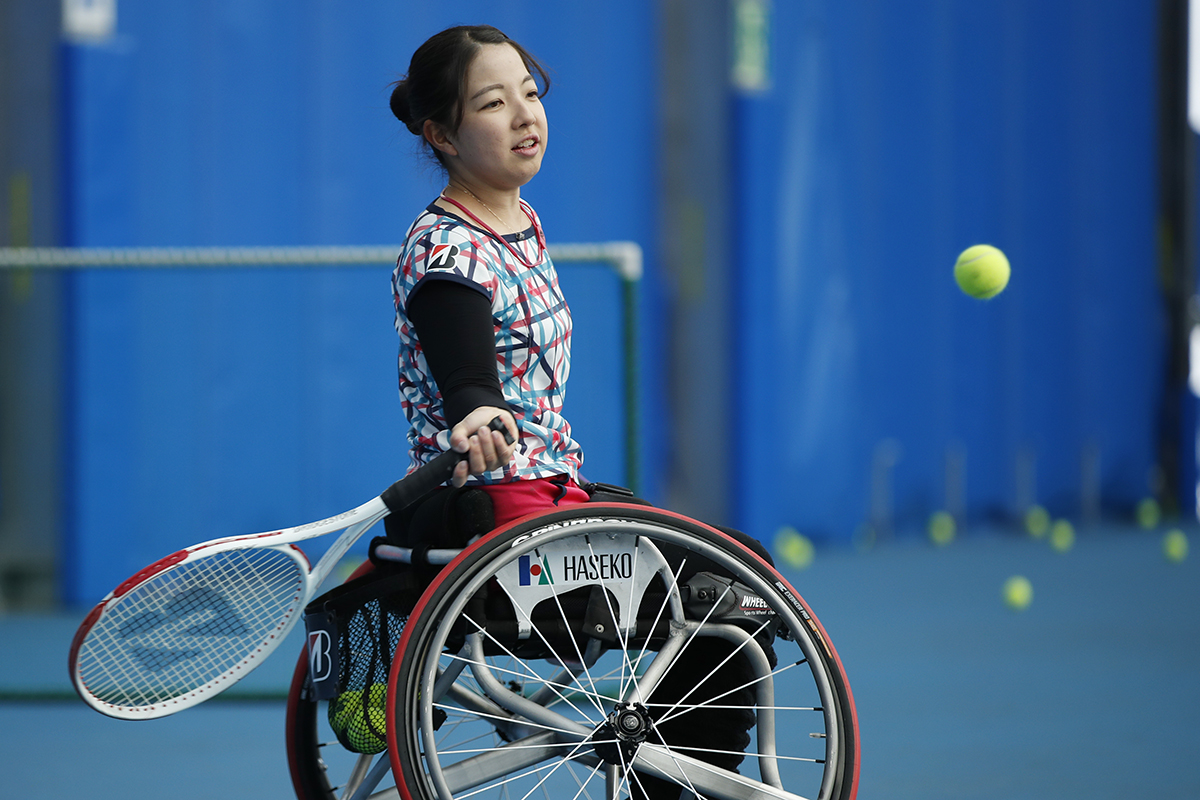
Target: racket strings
<point x="188" y="626"/>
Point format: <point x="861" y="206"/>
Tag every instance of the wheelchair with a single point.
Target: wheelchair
<point x="535" y="664"/>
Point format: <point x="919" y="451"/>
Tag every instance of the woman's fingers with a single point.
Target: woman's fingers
<point x="461" y="473"/>
<point x="485" y="449"/>
<point x="488" y="451"/>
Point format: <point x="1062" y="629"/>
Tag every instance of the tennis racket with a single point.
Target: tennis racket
<point x="191" y="625"/>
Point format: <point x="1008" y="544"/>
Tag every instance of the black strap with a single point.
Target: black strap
<point x="355" y="593"/>
<point x="561" y="482"/>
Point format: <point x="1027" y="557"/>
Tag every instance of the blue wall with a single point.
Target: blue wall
<point x="893" y="136"/>
<point x="207" y="403"/>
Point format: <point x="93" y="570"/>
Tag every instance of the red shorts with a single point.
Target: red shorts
<point x="520" y="498"/>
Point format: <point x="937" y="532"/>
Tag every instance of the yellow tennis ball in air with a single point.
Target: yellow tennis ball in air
<point x="982" y="271"/>
<point x="794" y="548"/>
<point x="1175" y="545"/>
<point x="1018" y="592"/>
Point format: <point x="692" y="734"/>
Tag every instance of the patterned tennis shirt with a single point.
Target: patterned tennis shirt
<point x="533" y="341"/>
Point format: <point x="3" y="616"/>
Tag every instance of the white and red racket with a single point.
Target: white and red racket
<point x="192" y="624"/>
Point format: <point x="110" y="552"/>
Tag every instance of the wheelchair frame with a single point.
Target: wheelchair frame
<point x="565" y="699"/>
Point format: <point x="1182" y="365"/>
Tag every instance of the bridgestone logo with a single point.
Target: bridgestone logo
<point x="319" y="662"/>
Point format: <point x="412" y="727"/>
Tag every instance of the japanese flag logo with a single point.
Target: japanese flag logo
<point x="529" y="572"/>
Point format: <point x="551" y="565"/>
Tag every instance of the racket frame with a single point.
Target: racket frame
<point x="354" y="522"/>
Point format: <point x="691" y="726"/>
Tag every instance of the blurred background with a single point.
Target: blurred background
<point x="800" y="175"/>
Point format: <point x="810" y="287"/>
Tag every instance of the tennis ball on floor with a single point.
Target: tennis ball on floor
<point x="942" y="528"/>
<point x="865" y="537"/>
<point x="1037" y="521"/>
<point x="1175" y="545"/>
<point x="1148" y="513"/>
<point x="1018" y="592"/>
<point x="982" y="271"/>
<point x="794" y="548"/>
<point x="1062" y="536"/>
<point x="360" y="726"/>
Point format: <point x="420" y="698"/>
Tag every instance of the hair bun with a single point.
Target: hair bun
<point x="401" y="106"/>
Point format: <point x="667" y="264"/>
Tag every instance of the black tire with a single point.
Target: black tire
<point x="511" y="721"/>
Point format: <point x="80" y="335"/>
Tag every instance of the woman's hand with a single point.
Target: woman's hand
<point x="487" y="448"/>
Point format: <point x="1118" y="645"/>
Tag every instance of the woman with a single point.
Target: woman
<point x="484" y="329"/>
<point x="485" y="332"/>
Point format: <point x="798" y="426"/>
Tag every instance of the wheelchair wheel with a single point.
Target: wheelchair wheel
<point x="617" y="651"/>
<point x="321" y="769"/>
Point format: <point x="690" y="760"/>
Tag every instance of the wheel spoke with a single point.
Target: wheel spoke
<point x="535" y="708"/>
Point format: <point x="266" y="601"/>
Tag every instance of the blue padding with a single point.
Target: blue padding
<point x="894" y="136"/>
<point x="220" y="402"/>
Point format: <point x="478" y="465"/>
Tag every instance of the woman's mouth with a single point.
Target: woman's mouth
<point x="527" y="146"/>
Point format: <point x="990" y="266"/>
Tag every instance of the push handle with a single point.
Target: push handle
<point x="408" y="490"/>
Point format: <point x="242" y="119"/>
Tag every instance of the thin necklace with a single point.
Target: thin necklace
<point x="503" y="224"/>
<point x="517" y="254"/>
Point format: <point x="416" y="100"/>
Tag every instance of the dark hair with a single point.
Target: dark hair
<point x="437" y="78"/>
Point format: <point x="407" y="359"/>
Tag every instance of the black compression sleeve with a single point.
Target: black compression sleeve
<point x="453" y="322"/>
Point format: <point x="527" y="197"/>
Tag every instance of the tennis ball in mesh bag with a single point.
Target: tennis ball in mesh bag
<point x="360" y="726"/>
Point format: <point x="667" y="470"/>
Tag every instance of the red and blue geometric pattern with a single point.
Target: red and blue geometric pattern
<point x="533" y="341"/>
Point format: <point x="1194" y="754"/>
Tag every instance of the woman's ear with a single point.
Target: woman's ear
<point x="436" y="136"/>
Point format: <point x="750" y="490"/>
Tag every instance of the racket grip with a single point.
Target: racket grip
<point x="408" y="490"/>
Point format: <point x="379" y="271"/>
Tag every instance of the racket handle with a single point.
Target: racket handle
<point x="408" y="490"/>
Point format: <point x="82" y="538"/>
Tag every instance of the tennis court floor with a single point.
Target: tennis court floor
<point x="1091" y="692"/>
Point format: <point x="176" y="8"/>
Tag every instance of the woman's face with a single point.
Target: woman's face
<point x="502" y="137"/>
